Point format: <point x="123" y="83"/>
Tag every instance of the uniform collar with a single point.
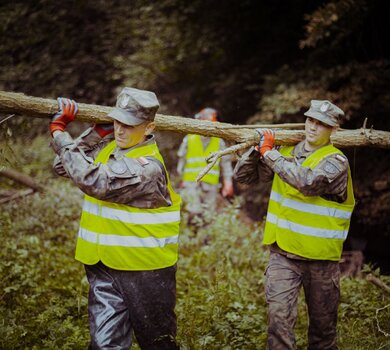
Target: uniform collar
<point x="300" y="152"/>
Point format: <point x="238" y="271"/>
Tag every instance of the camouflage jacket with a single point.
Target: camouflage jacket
<point x="328" y="179"/>
<point x="138" y="182"/>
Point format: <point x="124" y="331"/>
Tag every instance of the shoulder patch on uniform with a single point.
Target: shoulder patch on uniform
<point x="330" y="168"/>
<point x="341" y="158"/>
<point x="142" y="160"/>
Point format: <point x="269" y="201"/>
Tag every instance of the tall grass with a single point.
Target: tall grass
<point x="220" y="283"/>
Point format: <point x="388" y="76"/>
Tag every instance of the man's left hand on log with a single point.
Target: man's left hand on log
<point x="267" y="140"/>
<point x="66" y="114"/>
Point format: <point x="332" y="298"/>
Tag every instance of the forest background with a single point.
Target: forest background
<point x="255" y="62"/>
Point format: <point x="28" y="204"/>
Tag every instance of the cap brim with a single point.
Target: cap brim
<point x="124" y="117"/>
<point x="320" y="117"/>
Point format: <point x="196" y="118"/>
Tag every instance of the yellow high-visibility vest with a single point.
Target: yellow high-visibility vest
<point x="308" y="226"/>
<point x="125" y="237"/>
<point x="196" y="160"/>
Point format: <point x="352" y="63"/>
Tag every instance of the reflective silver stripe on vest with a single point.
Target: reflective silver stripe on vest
<point x="196" y="170"/>
<point x="310" y="208"/>
<point x="126" y="241"/>
<point x="131" y="217"/>
<point x="306" y="230"/>
<point x="195" y="160"/>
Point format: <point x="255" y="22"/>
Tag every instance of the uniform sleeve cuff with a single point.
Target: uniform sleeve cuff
<point x="252" y="152"/>
<point x="61" y="141"/>
<point x="270" y="157"/>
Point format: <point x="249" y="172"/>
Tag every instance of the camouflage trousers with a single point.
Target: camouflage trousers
<point x="320" y="281"/>
<point x="123" y="302"/>
<point x="200" y="201"/>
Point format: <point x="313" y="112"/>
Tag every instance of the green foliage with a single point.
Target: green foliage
<point x="361" y="302"/>
<point x="354" y="87"/>
<point x="335" y="20"/>
<point x="197" y="53"/>
<point x="220" y="285"/>
<point x="7" y="156"/>
<point x="33" y="157"/>
<point x="43" y="290"/>
<point x="77" y="61"/>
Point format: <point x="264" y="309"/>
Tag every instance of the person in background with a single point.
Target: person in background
<point x="128" y="235"/>
<point x="200" y="198"/>
<point x="308" y="218"/>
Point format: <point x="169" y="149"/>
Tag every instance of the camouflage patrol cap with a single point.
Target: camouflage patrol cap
<point x="134" y="107"/>
<point x="325" y="111"/>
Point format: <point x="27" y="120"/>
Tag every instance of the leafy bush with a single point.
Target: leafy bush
<point x="43" y="289"/>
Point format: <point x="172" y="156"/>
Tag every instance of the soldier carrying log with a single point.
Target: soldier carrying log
<point x="308" y="218"/>
<point x="128" y="235"/>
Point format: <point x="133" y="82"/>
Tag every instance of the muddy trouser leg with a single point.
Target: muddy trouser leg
<point x="109" y="319"/>
<point x="283" y="282"/>
<point x="209" y="202"/>
<point x="190" y="195"/>
<point x="149" y="298"/>
<point x="322" y="292"/>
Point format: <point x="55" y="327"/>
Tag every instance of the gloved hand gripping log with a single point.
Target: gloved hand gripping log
<point x="267" y="141"/>
<point x="67" y="113"/>
<point x="68" y="110"/>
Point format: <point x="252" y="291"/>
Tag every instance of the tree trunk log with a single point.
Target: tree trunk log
<point x="370" y="277"/>
<point x="21" y="178"/>
<point x="17" y="103"/>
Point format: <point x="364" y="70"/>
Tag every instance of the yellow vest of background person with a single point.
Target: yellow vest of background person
<point x="125" y="237"/>
<point x="308" y="226"/>
<point x="196" y="160"/>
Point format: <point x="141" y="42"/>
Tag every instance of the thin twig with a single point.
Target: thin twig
<point x="214" y="156"/>
<point x="365" y="123"/>
<point x="21" y="193"/>
<point x="377" y="321"/>
<point x="365" y="131"/>
<point x="6" y="118"/>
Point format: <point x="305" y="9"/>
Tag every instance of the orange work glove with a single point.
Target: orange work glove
<point x="66" y="114"/>
<point x="267" y="140"/>
<point x="104" y="129"/>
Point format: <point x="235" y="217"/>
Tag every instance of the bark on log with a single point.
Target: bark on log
<point x="21" y="104"/>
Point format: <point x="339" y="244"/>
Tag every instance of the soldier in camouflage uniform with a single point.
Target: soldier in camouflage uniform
<point x="308" y="217"/>
<point x="200" y="198"/>
<point x="128" y="236"/>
